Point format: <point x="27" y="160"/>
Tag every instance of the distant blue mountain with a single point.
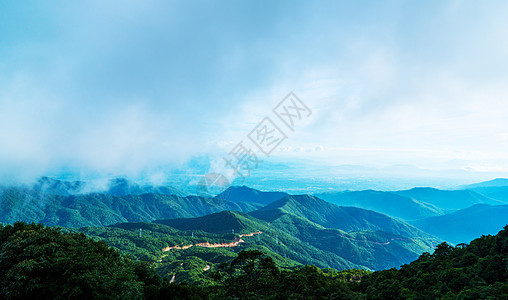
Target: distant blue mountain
<point x="491" y="183"/>
<point x="499" y="193"/>
<point x="389" y="203"/>
<point x="495" y="189"/>
<point x="466" y="224"/>
<point x="448" y="200"/>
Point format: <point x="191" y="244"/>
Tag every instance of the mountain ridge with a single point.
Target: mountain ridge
<point x="466" y="224"/>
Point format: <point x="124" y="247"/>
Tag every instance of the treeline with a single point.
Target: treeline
<point x="475" y="271"/>
<point x="39" y="262"/>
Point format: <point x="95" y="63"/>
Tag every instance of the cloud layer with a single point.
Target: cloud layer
<point x="125" y="88"/>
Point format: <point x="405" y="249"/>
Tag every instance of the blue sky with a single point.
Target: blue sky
<point x="122" y="88"/>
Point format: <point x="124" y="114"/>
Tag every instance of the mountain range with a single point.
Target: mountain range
<point x="343" y="237"/>
<point x="466" y="224"/>
<point x="352" y="229"/>
<point x="416" y="203"/>
<point x="390" y="203"/>
<point x="249" y="195"/>
<point x="102" y="209"/>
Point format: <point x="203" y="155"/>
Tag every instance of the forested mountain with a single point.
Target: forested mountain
<point x="123" y="187"/>
<point x="100" y="209"/>
<point x="309" y="231"/>
<point x="249" y="195"/>
<point x="298" y="229"/>
<point x="291" y="239"/>
<point x="330" y="215"/>
<point x="474" y="271"/>
<point x="221" y="222"/>
<point x="45" y="263"/>
<point x="38" y="262"/>
<point x="217" y="228"/>
<point x="466" y="224"/>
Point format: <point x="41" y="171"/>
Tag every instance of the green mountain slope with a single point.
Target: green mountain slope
<point x="373" y="249"/>
<point x="474" y="271"/>
<point x="249" y="195"/>
<point x="333" y="216"/>
<point x="295" y="229"/>
<point x="21" y="204"/>
<point x="221" y="222"/>
<point x="41" y="262"/>
<point x="123" y="187"/>
<point x="295" y="239"/>
<point x="272" y="238"/>
<point x="466" y="224"/>
<point x="287" y="250"/>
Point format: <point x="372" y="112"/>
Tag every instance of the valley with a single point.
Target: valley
<point x="186" y="236"/>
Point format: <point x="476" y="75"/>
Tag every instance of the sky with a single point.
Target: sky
<point x="124" y="88"/>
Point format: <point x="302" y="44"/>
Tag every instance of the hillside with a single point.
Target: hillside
<point x="466" y="224"/>
<point x="52" y="263"/>
<point x="21" y="204"/>
<point x="287" y="250"/>
<point x="249" y="195"/>
<point x="358" y="235"/>
<point x="40" y="262"/>
<point x="330" y="215"/>
<point x="221" y="222"/>
<point x="374" y="249"/>
<point x="389" y="203"/>
<point x="123" y="187"/>
<point x="297" y="239"/>
<point x="474" y="271"/>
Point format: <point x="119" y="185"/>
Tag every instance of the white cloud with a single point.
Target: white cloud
<point x="122" y="89"/>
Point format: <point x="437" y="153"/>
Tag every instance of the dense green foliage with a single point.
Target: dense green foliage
<point x="475" y="271"/>
<point x="120" y="261"/>
<point x="102" y="209"/>
<point x="289" y="238"/>
<point x="253" y="275"/>
<point x="287" y="250"/>
<point x="249" y="195"/>
<point x="39" y="262"/>
<point x="333" y="216"/>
